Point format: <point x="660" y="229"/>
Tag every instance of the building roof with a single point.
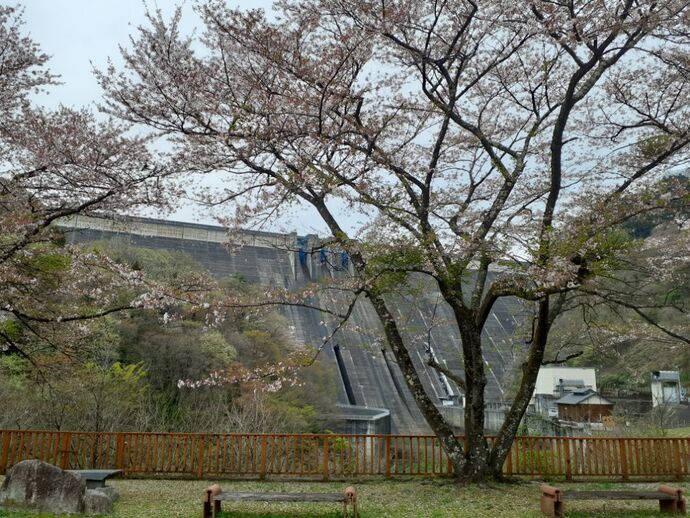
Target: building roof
<point x="578" y="397"/>
<point x="580" y="383"/>
<point x="565" y="367"/>
<point x="665" y="376"/>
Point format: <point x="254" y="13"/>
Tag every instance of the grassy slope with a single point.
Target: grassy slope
<point x="378" y="499"/>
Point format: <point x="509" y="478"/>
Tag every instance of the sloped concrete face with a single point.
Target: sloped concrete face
<point x="37" y="485"/>
<point x="374" y="378"/>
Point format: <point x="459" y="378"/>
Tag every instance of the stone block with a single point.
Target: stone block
<point x="33" y="484"/>
<point x="97" y="501"/>
<point x="108" y="491"/>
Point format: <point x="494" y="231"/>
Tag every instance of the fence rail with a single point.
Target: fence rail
<point x="326" y="456"/>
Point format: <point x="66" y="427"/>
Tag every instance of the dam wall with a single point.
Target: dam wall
<point x="370" y="381"/>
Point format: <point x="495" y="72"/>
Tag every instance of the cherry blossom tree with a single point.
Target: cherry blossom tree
<point x="472" y="137"/>
<point x="53" y="165"/>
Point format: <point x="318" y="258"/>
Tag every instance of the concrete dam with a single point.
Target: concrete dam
<point x="372" y="394"/>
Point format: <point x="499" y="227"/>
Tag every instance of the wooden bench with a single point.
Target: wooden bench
<point x="215" y="495"/>
<point x="670" y="499"/>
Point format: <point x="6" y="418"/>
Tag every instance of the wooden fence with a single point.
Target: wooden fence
<point x="326" y="456"/>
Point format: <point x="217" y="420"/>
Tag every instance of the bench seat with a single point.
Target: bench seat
<point x="671" y="499"/>
<point x="215" y="495"/>
<point x="281" y="497"/>
<point x="617" y="495"/>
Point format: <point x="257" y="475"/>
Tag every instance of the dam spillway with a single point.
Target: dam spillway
<point x="369" y="379"/>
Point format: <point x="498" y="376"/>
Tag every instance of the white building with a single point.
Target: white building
<point x="666" y="388"/>
<point x="550" y="380"/>
<point x="554" y="382"/>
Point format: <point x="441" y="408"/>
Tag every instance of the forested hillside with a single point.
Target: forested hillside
<point x="163" y="369"/>
<point x="627" y="342"/>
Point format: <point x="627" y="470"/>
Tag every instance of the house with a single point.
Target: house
<point x="584" y="406"/>
<point x="566" y="386"/>
<point x="554" y="382"/>
<point x="551" y="377"/>
<point x="666" y="389"/>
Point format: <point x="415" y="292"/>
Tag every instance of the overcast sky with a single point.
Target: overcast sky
<point x="79" y="33"/>
<point x="76" y="33"/>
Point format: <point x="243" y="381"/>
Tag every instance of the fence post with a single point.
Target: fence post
<point x="120" y="452"/>
<point x="200" y="457"/>
<point x="388" y="456"/>
<point x="5" y="451"/>
<point x="262" y="452"/>
<point x="676" y="459"/>
<point x="624" y="459"/>
<point x="65" y="449"/>
<point x="325" y="457"/>
<point x="568" y="466"/>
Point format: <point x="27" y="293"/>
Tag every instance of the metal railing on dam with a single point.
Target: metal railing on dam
<point x="337" y="456"/>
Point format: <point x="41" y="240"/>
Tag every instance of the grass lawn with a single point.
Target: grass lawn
<point x="678" y="432"/>
<point x="378" y="499"/>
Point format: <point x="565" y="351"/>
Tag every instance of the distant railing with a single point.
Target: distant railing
<point x="327" y="456"/>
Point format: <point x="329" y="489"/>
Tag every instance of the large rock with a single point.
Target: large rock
<point x="108" y="491"/>
<point x="33" y="484"/>
<point x="98" y="501"/>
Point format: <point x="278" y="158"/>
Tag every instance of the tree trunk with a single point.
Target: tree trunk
<point x="477" y="451"/>
<point x="468" y="464"/>
<point x="476" y="468"/>
<point x="530" y="370"/>
<point x="433" y="417"/>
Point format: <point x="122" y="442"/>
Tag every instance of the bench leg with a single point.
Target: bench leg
<point x="350" y="505"/>
<point x="673" y="506"/>
<point x="208" y="505"/>
<point x="551" y="507"/>
<point x="216" y="508"/>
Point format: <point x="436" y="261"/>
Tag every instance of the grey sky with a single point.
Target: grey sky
<point x="76" y="33"/>
<point x="80" y="33"/>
